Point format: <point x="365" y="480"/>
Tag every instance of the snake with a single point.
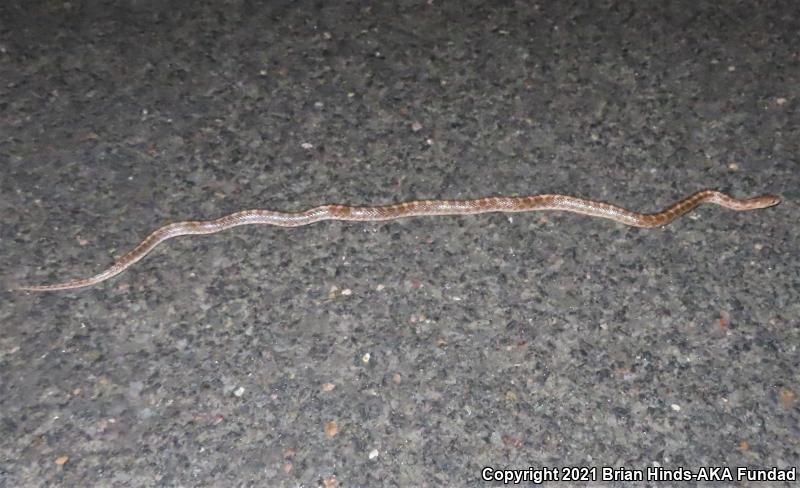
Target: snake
<point x="416" y="208"/>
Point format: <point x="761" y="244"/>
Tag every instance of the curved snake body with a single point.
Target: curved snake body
<point x="414" y="209"/>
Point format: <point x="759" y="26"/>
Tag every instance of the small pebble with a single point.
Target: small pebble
<point x="373" y="454"/>
<point x="786" y="398"/>
<point x="331" y="429"/>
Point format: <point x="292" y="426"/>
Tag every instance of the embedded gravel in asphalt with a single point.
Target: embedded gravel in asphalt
<point x="413" y="352"/>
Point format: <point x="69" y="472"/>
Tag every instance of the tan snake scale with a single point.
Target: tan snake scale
<point x="415" y="209"/>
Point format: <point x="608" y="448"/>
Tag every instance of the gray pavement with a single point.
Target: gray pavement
<point x="406" y="353"/>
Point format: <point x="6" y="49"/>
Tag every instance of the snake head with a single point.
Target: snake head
<point x="765" y="201"/>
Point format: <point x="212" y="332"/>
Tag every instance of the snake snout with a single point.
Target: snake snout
<point x="765" y="201"/>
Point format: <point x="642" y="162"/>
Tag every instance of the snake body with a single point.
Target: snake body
<point x="414" y="209"/>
